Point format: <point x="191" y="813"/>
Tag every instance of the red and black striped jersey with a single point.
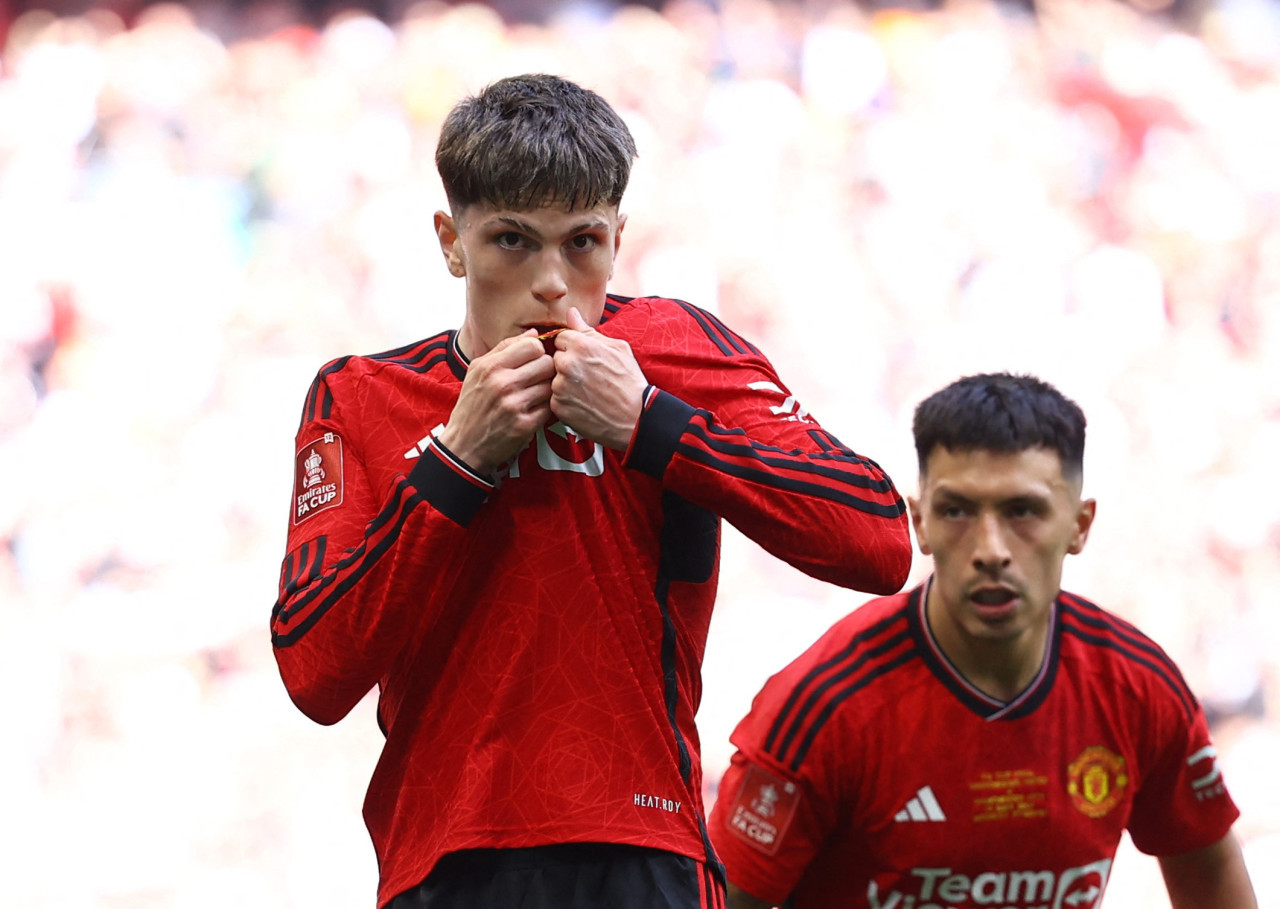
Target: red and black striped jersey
<point x="869" y="773"/>
<point x="537" y="640"/>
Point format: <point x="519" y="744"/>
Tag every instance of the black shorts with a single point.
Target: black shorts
<point x="567" y="876"/>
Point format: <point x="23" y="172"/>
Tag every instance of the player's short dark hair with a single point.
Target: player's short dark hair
<point x="526" y="141"/>
<point x="1004" y="413"/>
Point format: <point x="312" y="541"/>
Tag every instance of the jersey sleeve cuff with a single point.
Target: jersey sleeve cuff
<point x="663" y="420"/>
<point x="452" y="488"/>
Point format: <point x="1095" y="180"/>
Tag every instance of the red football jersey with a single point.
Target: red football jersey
<point x="871" y="774"/>
<point x="537" y="641"/>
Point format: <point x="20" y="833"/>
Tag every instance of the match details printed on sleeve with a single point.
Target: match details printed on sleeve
<point x="317" y="482"/>
<point x="763" y="809"/>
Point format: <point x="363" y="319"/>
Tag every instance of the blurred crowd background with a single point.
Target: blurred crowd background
<point x="201" y="204"/>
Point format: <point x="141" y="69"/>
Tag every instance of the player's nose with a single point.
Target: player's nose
<point x="991" y="547"/>
<point x="549" y="281"/>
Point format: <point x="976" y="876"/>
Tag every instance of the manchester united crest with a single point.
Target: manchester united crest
<point x="1096" y="780"/>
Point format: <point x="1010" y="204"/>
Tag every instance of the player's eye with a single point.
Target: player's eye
<point x="1022" y="510"/>
<point x="583" y="242"/>
<point x="509" y="239"/>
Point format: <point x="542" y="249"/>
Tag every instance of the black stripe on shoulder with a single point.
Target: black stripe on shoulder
<point x="613" y="304"/>
<point x="847" y="691"/>
<point x="319" y="398"/>
<point x="398" y="353"/>
<point x="1095" y="626"/>
<point x="1096" y="617"/>
<point x="738" y="340"/>
<point x="413" y="355"/>
<point x="728" y="343"/>
<point x="420" y="356"/>
<point x="441" y="357"/>
<point x="797" y="720"/>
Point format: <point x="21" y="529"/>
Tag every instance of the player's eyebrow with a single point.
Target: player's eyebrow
<point x="1031" y="501"/>
<point x="1034" y="500"/>
<point x="519" y="224"/>
<point x="951" y="495"/>
<point x="526" y="228"/>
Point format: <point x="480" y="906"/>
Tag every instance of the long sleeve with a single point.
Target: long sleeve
<point x="362" y="562"/>
<point x="721" y="429"/>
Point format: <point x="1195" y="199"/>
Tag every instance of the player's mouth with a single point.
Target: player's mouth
<point x="547" y="335"/>
<point x="994" y="602"/>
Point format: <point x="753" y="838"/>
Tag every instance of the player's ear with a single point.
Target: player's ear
<point x="447" y="234"/>
<point x="1084" y="520"/>
<point x="917" y="523"/>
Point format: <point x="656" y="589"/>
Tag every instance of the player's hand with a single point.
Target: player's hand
<point x="505" y="397"/>
<point x="598" y="388"/>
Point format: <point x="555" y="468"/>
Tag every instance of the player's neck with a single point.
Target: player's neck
<point x="999" y="667"/>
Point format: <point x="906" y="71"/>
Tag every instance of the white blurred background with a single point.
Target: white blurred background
<point x="200" y="205"/>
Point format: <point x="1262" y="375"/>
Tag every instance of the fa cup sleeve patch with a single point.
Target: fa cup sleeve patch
<point x="317" y="477"/>
<point x="763" y="809"/>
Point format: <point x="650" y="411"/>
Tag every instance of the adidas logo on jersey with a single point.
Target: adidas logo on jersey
<point x="923" y="807"/>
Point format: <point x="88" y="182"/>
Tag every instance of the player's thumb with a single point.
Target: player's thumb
<point x="576" y="322"/>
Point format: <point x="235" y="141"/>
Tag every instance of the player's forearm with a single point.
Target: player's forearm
<point x="833" y="541"/>
<point x="1211" y="878"/>
<point x="336" y="636"/>
<point x="825" y="510"/>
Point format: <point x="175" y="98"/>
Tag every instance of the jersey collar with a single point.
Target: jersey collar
<point x="976" y="700"/>
<point x="457" y="360"/>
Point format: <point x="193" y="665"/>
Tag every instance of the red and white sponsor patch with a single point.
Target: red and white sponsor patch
<point x="317" y="477"/>
<point x="763" y="809"/>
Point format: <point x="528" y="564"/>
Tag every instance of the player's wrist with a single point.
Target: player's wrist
<point x="469" y="456"/>
<point x="629" y="422"/>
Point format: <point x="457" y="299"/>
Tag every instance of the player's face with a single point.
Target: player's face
<point x="525" y="269"/>
<point x="999" y="527"/>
